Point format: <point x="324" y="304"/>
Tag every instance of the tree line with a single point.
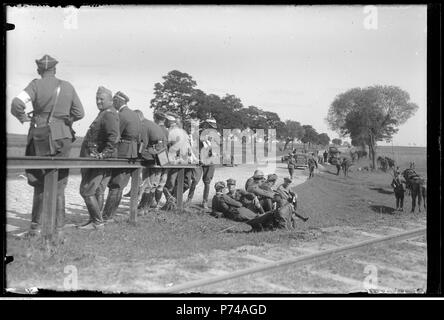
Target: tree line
<point x="179" y="93"/>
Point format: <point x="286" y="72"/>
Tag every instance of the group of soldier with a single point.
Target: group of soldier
<point x="260" y="204"/>
<point x="311" y="162"/>
<point x="116" y="132"/>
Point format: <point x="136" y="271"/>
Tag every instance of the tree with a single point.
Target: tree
<point x="370" y="115"/>
<point x="337" y="141"/>
<point x="175" y="94"/>
<point x="323" y="139"/>
<point x="310" y="135"/>
<point x="294" y="129"/>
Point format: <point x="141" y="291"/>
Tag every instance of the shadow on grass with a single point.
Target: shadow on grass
<point x="382" y="209"/>
<point x="382" y="190"/>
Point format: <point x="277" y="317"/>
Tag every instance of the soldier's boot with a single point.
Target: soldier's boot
<point x="95" y="217"/>
<point x="205" y="195"/>
<point x="144" y="203"/>
<point x="100" y="201"/>
<point x="36" y="213"/>
<point x="158" y="196"/>
<point x="112" y="203"/>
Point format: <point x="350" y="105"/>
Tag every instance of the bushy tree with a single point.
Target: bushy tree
<point x="370" y="114"/>
<point x="323" y="139"/>
<point x="337" y="141"/>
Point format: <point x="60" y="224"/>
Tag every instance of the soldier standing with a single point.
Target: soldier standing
<point x="55" y="103"/>
<point x="325" y="154"/>
<point x="291" y="165"/>
<point x="399" y="189"/>
<point x="207" y="158"/>
<point x="311" y="165"/>
<point x="126" y="149"/>
<point x="100" y="143"/>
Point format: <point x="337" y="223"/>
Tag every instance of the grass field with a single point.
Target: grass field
<point x="329" y="200"/>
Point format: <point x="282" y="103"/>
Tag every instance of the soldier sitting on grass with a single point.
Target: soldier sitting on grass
<point x="248" y="200"/>
<point x="227" y="207"/>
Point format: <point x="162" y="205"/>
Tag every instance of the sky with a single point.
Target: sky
<point x="292" y="60"/>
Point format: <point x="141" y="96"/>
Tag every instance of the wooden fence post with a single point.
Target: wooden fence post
<point x="179" y="192"/>
<point x="49" y="204"/>
<point x="135" y="184"/>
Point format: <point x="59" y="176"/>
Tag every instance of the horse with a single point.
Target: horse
<point x="417" y="187"/>
<point x="382" y="163"/>
<point x="345" y="165"/>
<point x="390" y="162"/>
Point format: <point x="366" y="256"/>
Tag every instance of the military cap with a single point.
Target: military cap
<point x="231" y="182"/>
<point x="46" y="62"/>
<point x="211" y="122"/>
<point x="272" y="177"/>
<point x="286" y="179"/>
<point x="104" y="90"/>
<point x="219" y="185"/>
<point x="258" y="174"/>
<point x="121" y="96"/>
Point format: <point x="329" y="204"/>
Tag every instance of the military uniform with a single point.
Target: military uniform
<point x="248" y="200"/>
<point x="291" y="165"/>
<point x="129" y="127"/>
<point x="311" y="166"/>
<point x="99" y="142"/>
<point x="399" y="189"/>
<point x="42" y="92"/>
<point x="153" y="137"/>
<point x="208" y="160"/>
<point x="230" y="208"/>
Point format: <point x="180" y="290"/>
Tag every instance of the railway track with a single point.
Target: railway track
<point x="345" y="260"/>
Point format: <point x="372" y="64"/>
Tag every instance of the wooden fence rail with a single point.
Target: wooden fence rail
<point x="53" y="164"/>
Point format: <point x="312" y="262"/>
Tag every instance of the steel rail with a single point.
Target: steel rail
<point x="296" y="261"/>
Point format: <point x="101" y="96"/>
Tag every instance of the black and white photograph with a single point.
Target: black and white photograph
<point x="216" y="150"/>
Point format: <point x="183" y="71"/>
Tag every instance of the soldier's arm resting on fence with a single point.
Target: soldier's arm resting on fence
<point x="111" y="128"/>
<point x="77" y="112"/>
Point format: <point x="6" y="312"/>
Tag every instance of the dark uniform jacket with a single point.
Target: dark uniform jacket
<point x="42" y="94"/>
<point x="291" y="162"/>
<point x="242" y="196"/>
<point x="312" y="162"/>
<point x="231" y="208"/>
<point x="398" y="185"/>
<point x="130" y="132"/>
<point x="259" y="190"/>
<point x="103" y="134"/>
<point x="152" y="133"/>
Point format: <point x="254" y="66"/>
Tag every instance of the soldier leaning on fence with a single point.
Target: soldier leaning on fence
<point x="100" y="143"/>
<point x="46" y="94"/>
<point x="177" y="150"/>
<point x="129" y="128"/>
<point x="248" y="200"/>
<point x="223" y="205"/>
<point x="154" y="140"/>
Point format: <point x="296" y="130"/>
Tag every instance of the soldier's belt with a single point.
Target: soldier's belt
<point x="128" y="140"/>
